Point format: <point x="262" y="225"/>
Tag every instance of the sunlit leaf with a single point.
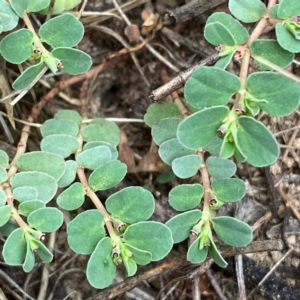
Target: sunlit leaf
<point x="72" y="197"/>
<point x="186" y="166"/>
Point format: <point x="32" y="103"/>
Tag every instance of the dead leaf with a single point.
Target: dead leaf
<point x="132" y="32"/>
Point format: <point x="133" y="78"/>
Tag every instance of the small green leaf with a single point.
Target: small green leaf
<point x="70" y="115"/>
<point x="3" y="175"/>
<point x="101" y="269"/>
<point x="157" y="112"/>
<point x="218" y="34"/>
<point x="288" y="8"/>
<point x="5" y="213"/>
<point x="60" y="6"/>
<point x="165" y="177"/>
<point x="29" y="260"/>
<point x="229" y="189"/>
<point x="285" y="39"/>
<point x="219" y="167"/>
<point x="186" y="196"/>
<point x="197" y="130"/>
<point x="60" y="144"/>
<point x="4" y="159"/>
<point x="141" y="257"/>
<point x="71" y="198"/>
<point x="9" y="227"/>
<point x="74" y="61"/>
<point x="15" y="247"/>
<point x="62" y="31"/>
<point x="59" y="126"/>
<point x="271" y="50"/>
<point x="46" y="219"/>
<point x="19" y="6"/>
<point x="43" y="252"/>
<point x="214" y="146"/>
<point x="108" y="175"/>
<point x="150" y="236"/>
<point x="17" y="46"/>
<point x="45" y="162"/>
<point x="182" y="224"/>
<point x="256" y="142"/>
<point x="28" y="76"/>
<point x="102" y="133"/>
<point x="131" y="204"/>
<point x="69" y="174"/>
<point x="236" y="29"/>
<point x="195" y="255"/>
<point x="232" y="231"/>
<point x="130" y="266"/>
<point x="223" y="62"/>
<point x="85" y="231"/>
<point x="171" y="149"/>
<point x="45" y="184"/>
<point x="94" y="157"/>
<point x="210" y="86"/>
<point x="165" y="129"/>
<point x="216" y="255"/>
<point x="27" y="207"/>
<point x="6" y="9"/>
<point x="273" y="88"/>
<point x="2" y="198"/>
<point x="186" y="166"/>
<point x="35" y="6"/>
<point x="4" y="20"/>
<point x="248" y="11"/>
<point x="25" y="193"/>
<point x="113" y="149"/>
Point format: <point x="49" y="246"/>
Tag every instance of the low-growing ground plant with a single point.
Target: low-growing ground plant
<point x="219" y="124"/>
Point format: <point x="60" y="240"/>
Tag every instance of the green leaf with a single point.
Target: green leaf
<point x="172" y="149"/>
<point x="159" y="111"/>
<point x="28" y="76"/>
<point x="25" y="193"/>
<point x="210" y="86"/>
<point x="131" y="204"/>
<point x="271" y="50"/>
<point x="70" y="115"/>
<point x="223" y="62"/>
<point x="29" y="260"/>
<point x="46" y="219"/>
<point x="85" y="231"/>
<point x="113" y="149"/>
<point x="288" y="8"/>
<point x="94" y="157"/>
<point x="101" y="269"/>
<point x="150" y="236"/>
<point x="45" y="162"/>
<point x="60" y="144"/>
<point x="74" y="61"/>
<point x="101" y="133"/>
<point x="273" y="11"/>
<point x="15" y="247"/>
<point x="229" y="189"/>
<point x="165" y="129"/>
<point x="218" y="34"/>
<point x="237" y="30"/>
<point x="43" y="252"/>
<point x="34" y="5"/>
<point x="194" y="254"/>
<point x="165" y="177"/>
<point x="9" y="227"/>
<point x="274" y="88"/>
<point x="45" y="184"/>
<point x="141" y="257"/>
<point x="60" y="6"/>
<point x="232" y="231"/>
<point x="17" y="46"/>
<point x="3" y="175"/>
<point x="5" y="214"/>
<point x="216" y="255"/>
<point x="130" y="266"/>
<point x="285" y="39"/>
<point x="6" y="9"/>
<point x="26" y="208"/>
<point x="186" y="166"/>
<point x="197" y="130"/>
<point x="186" y="196"/>
<point x="4" y="19"/>
<point x="71" y="198"/>
<point x="256" y="142"/>
<point x="219" y="167"/>
<point x="2" y="198"/>
<point x="62" y="31"/>
<point x="59" y="126"/>
<point x="4" y="159"/>
<point x="19" y="6"/>
<point x="108" y="175"/>
<point x="182" y="224"/>
<point x="69" y="174"/>
<point x="247" y="11"/>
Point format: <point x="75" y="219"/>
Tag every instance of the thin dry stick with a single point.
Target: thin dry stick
<point x="170" y="291"/>
<point x="271" y="271"/>
<point x="196" y="288"/>
<point x="215" y="285"/>
<point x="288" y="202"/>
<point x="286" y="152"/>
<point x="238" y="259"/>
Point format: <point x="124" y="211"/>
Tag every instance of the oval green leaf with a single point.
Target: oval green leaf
<point x="113" y="149"/>
<point x="71" y="198"/>
<point x="3" y="175"/>
<point x="70" y="115"/>
<point x="26" y="208"/>
<point x="2" y="198"/>
<point x="286" y="40"/>
<point x="6" y="9"/>
<point x="69" y="174"/>
<point x="216" y="255"/>
<point x="218" y="34"/>
<point x="4" y="159"/>
<point x="34" y="5"/>
<point x="25" y="193"/>
<point x="186" y="166"/>
<point x="85" y="231"/>
<point x="141" y="257"/>
<point x="288" y="8"/>
<point x="59" y="126"/>
<point x="194" y="254"/>
<point x="5" y="214"/>
<point x="219" y="167"/>
<point x="29" y="260"/>
<point x="165" y="129"/>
